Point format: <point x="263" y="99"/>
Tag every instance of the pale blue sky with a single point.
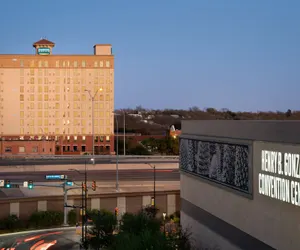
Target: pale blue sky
<point x="241" y="55"/>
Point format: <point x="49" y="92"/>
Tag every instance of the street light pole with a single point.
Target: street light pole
<point x="124" y="140"/>
<point x="85" y="199"/>
<point x="154" y="182"/>
<point x="117" y="159"/>
<point x="93" y="134"/>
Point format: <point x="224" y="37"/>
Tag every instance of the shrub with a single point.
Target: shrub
<point x="44" y="219"/>
<point x="72" y="217"/>
<point x="11" y="223"/>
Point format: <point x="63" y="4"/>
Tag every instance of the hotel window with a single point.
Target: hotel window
<point x="31" y="89"/>
<point x="56" y="130"/>
<point x="107" y="97"/>
<point x="83" y="122"/>
<point x="21" y="72"/>
<point x="21" y="97"/>
<point x="107" y="138"/>
<point x="57" y="64"/>
<point x="107" y="113"/>
<point x="56" y="114"/>
<point x="75" y="64"/>
<point x="22" y="122"/>
<point x="22" y="114"/>
<point x="96" y="122"/>
<point x="40" y="89"/>
<point x="46" y="105"/>
<point x="40" y="64"/>
<point x="32" y="72"/>
<point x="95" y="64"/>
<point x="83" y="64"/>
<point x="34" y="149"/>
<point x="40" y="81"/>
<point x="22" y="105"/>
<point x="107" y="64"/>
<point x="46" y="63"/>
<point x="83" y="131"/>
<point x="57" y="97"/>
<point x="57" y="122"/>
<point x="21" y="63"/>
<point x="57" y="105"/>
<point x="22" y="131"/>
<point x="68" y="63"/>
<point x="40" y="72"/>
<point x="100" y="105"/>
<point x="101" y="122"/>
<point x="40" y="122"/>
<point x="40" y="114"/>
<point x="83" y="97"/>
<point x="107" y="122"/>
<point x="57" y="72"/>
<point x="46" y="80"/>
<point x="101" y="64"/>
<point x="32" y="63"/>
<point x="31" y="80"/>
<point x="107" y="131"/>
<point x="101" y="113"/>
<point x="40" y="105"/>
<point x="22" y="89"/>
<point x="83" y="114"/>
<point x="101" y="98"/>
<point x="46" y="114"/>
<point x="21" y="149"/>
<point x="31" y="123"/>
<point x="46" y="98"/>
<point x="46" y="122"/>
<point x="46" y="130"/>
<point x="32" y="98"/>
<point x="64" y="65"/>
<point x="40" y="97"/>
<point x="32" y="105"/>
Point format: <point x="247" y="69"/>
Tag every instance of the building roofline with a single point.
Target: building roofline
<point x="102" y="45"/>
<point x="52" y="55"/>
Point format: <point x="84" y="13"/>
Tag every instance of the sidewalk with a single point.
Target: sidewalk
<point x="52" y="168"/>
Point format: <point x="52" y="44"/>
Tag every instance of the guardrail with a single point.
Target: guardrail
<point x="108" y="157"/>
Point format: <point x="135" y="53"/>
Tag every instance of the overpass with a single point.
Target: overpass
<point x="82" y="159"/>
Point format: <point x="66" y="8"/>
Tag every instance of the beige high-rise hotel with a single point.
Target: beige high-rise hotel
<point x="45" y="103"/>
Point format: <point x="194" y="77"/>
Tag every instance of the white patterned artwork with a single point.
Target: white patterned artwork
<point x="221" y="162"/>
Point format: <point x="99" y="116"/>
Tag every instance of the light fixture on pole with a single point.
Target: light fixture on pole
<point x="154" y="182"/>
<point x="93" y="134"/>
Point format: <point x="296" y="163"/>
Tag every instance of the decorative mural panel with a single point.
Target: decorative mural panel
<point x="219" y="162"/>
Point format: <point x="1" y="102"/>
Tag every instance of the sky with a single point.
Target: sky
<point x="170" y="54"/>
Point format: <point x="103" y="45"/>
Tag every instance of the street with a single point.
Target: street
<point x="98" y="175"/>
<point x="79" y="161"/>
<point x="52" y="239"/>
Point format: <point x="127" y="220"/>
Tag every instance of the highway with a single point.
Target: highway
<point x="79" y="161"/>
<point x="97" y="175"/>
<point x="57" y="239"/>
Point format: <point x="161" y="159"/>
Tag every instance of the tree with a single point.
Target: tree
<point x="228" y="164"/>
<point x="203" y="158"/>
<point x="241" y="168"/>
<point x="104" y="224"/>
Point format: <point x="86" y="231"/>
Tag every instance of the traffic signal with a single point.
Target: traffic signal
<point x="94" y="186"/>
<point x="30" y="184"/>
<point x="7" y="184"/>
<point x="116" y="211"/>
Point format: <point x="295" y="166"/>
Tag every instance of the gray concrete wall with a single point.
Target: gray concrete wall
<point x="231" y="221"/>
<point x="271" y="131"/>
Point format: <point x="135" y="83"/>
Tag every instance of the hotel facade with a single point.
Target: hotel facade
<point x="46" y="102"/>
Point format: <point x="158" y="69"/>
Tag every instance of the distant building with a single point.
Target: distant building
<point x="45" y="106"/>
<point x="240" y="184"/>
<point x="175" y="130"/>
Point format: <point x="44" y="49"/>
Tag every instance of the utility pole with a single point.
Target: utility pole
<point x="124" y="139"/>
<point x="65" y="202"/>
<point x="117" y="161"/>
